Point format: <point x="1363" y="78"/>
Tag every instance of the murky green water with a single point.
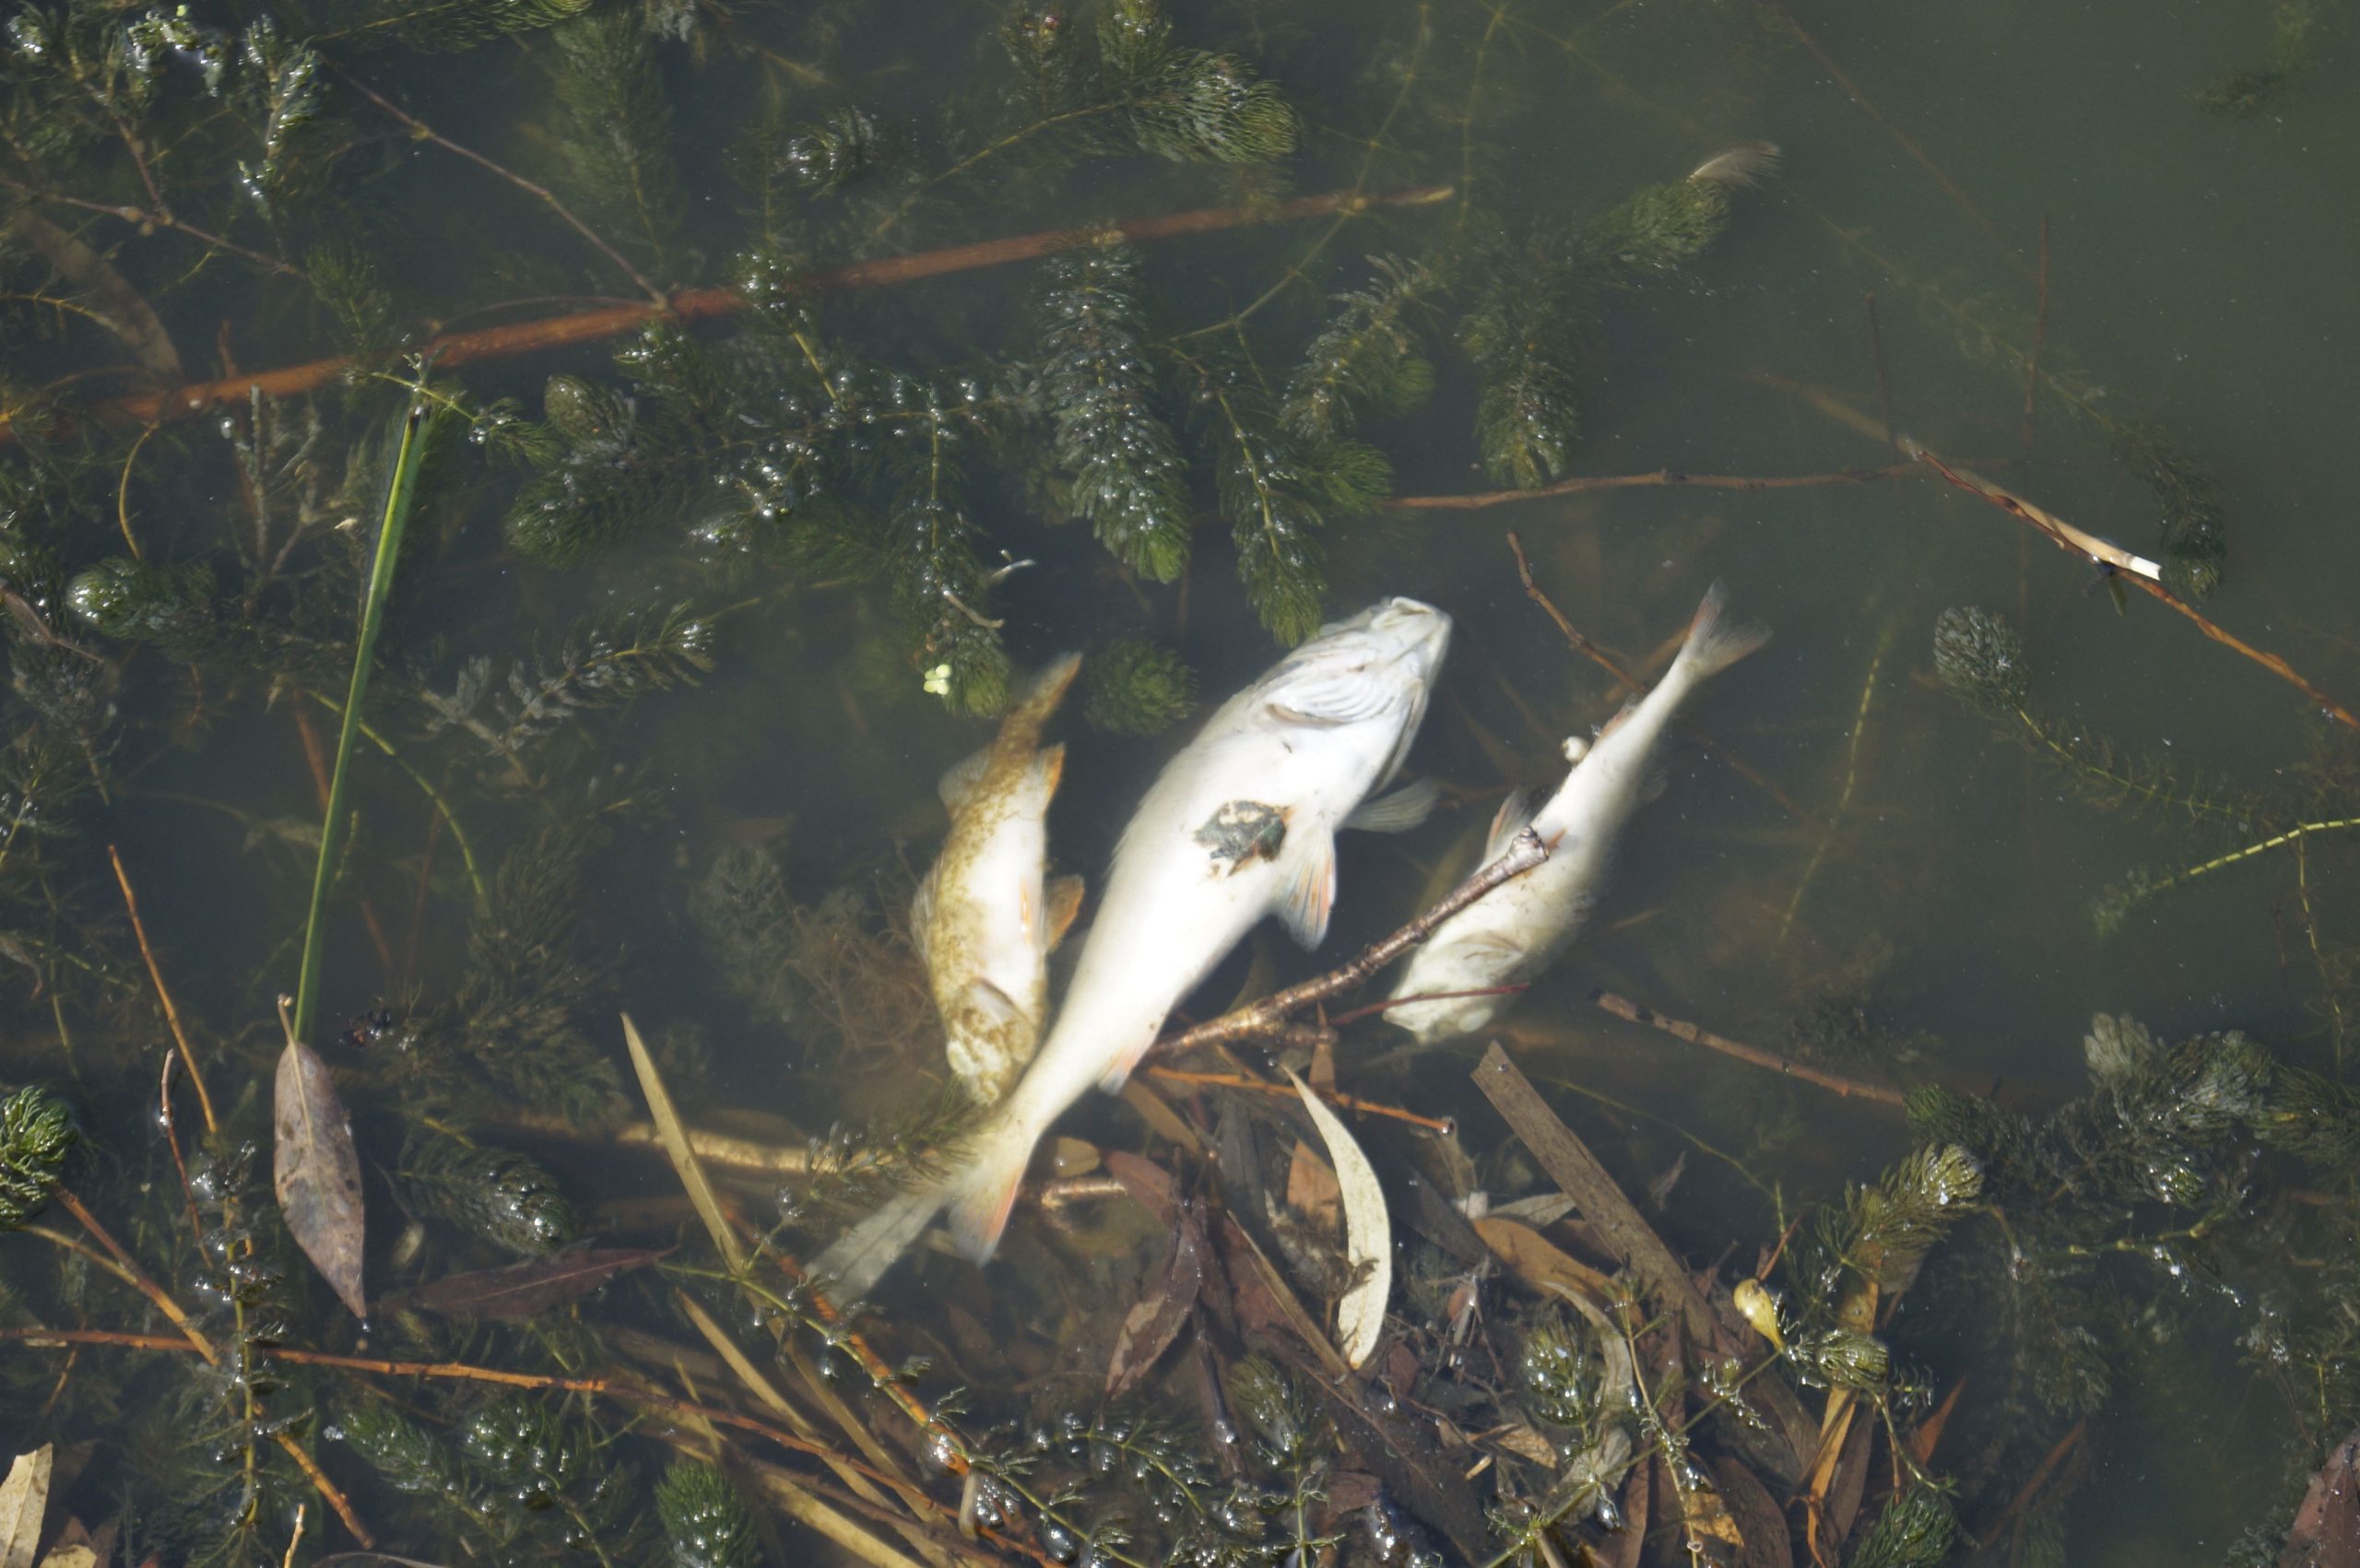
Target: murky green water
<point x="1902" y="861"/>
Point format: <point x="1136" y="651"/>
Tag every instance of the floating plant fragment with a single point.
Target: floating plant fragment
<point x="316" y="1172"/>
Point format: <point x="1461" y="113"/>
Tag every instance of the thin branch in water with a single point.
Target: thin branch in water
<point x="171" y="1013"/>
<point x="1442" y="1125"/>
<point x="697" y="304"/>
<point x="1598" y="656"/>
<point x="1876" y="357"/>
<point x="1269" y="1017"/>
<point x="1582" y="483"/>
<point x="2039" y="335"/>
<point x="2141" y="573"/>
<point x="423" y="132"/>
<point x="1851" y="1089"/>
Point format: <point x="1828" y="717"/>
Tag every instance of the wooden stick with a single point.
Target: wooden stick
<point x="697" y="304"/>
<point x="171" y="1013"/>
<point x="1579" y="1176"/>
<point x="1581" y="483"/>
<point x="2039" y="335"/>
<point x="1268" y="1016"/>
<point x="2141" y="573"/>
<point x="1623" y="1007"/>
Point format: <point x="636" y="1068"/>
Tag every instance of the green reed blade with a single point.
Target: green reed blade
<point x="401" y="489"/>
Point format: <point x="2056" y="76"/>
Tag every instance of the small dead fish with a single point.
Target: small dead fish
<point x="983" y="920"/>
<point x="1512" y="933"/>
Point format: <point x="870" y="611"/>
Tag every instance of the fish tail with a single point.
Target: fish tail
<point x="861" y="1256"/>
<point x="1040" y="695"/>
<point x="982" y="1192"/>
<point x="1715" y="643"/>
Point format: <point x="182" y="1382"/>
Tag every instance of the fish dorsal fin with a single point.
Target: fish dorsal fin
<point x="1309" y="896"/>
<point x="1399" y="812"/>
<point x="959" y="780"/>
<point x="1513" y="817"/>
<point x="1335" y="695"/>
<point x="1065" y="903"/>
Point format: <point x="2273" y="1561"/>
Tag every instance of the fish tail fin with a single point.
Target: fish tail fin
<point x="861" y="1256"/>
<point x="1040" y="695"/>
<point x="982" y="1192"/>
<point x="1715" y="642"/>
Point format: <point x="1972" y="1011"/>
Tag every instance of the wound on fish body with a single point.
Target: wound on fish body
<point x="1241" y="832"/>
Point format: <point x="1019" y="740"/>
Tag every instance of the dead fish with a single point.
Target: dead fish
<point x="1511" y="933"/>
<point x="1241" y="824"/>
<point x="983" y="920"/>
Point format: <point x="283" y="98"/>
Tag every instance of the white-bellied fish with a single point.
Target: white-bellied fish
<point x="1241" y="824"/>
<point x="983" y="920"/>
<point x="1511" y="933"/>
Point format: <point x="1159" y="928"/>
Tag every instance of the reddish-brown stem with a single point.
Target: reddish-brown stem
<point x="1442" y="1125"/>
<point x="696" y="305"/>
<point x="1582" y="483"/>
<point x="1623" y="1007"/>
<point x="172" y="1142"/>
<point x="171" y="1013"/>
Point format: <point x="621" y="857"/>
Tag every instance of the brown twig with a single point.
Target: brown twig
<point x="172" y="1142"/>
<point x="171" y="1013"/>
<point x="1442" y="1125"/>
<point x="2127" y="567"/>
<point x="1591" y="651"/>
<point x="695" y="304"/>
<point x="159" y="218"/>
<point x="1268" y="1016"/>
<point x="423" y="132"/>
<point x="1623" y="1007"/>
<point x="2031" y="1488"/>
<point x="1580" y="483"/>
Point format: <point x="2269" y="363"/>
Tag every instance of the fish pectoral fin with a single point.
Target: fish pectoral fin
<point x="959" y="780"/>
<point x="1310" y="893"/>
<point x="1065" y="905"/>
<point x="995" y="1004"/>
<point x="1399" y="812"/>
<point x="1514" y="816"/>
<point x="1048" y="767"/>
<point x="1333" y="696"/>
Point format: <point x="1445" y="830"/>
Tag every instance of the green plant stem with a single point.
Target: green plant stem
<point x="442" y="805"/>
<point x="401" y="490"/>
<point x="2294" y="835"/>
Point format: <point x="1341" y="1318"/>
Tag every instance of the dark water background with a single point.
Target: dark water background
<point x="2202" y="273"/>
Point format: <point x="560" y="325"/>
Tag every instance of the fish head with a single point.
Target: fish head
<point x="1375" y="668"/>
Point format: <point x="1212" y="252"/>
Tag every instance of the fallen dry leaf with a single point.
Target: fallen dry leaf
<point x="1312" y="1191"/>
<point x="1368" y="1233"/>
<point x="24" y="1499"/>
<point x="2327" y="1526"/>
<point x="675" y="1134"/>
<point x="1156" y="1320"/>
<point x="317" y="1173"/>
<point x="1539" y="1261"/>
<point x="518" y="1291"/>
<point x="1757" y="1514"/>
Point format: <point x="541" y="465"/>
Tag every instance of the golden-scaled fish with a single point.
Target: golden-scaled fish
<point x="983" y="920"/>
<point x="1241" y="824"/>
<point x="1511" y="933"/>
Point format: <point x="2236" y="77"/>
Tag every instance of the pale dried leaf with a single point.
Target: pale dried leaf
<point x="1525" y="1443"/>
<point x="1368" y="1233"/>
<point x="24" y="1499"/>
<point x="669" y="1127"/>
<point x="316" y="1173"/>
<point x="1160" y="1313"/>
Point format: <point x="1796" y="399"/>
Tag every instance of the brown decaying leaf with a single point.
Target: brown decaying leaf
<point x="1541" y="1262"/>
<point x="675" y="1134"/>
<point x="1312" y="1190"/>
<point x="518" y="1291"/>
<point x="24" y="1499"/>
<point x="2327" y="1526"/>
<point x="1156" y="1320"/>
<point x="317" y="1173"/>
<point x="1368" y="1233"/>
<point x="1757" y="1514"/>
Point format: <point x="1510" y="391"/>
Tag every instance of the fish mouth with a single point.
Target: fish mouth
<point x="1418" y="632"/>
